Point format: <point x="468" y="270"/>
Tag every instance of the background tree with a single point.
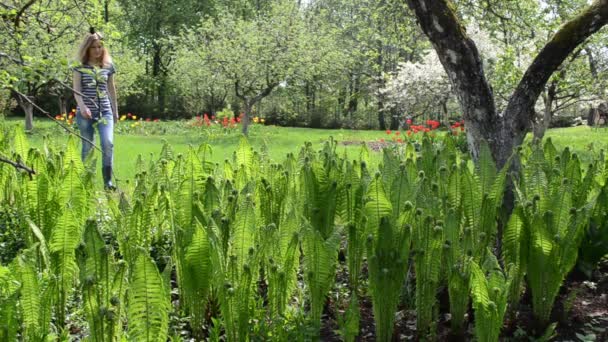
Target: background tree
<point x="147" y="23"/>
<point x="255" y="55"/>
<point x="36" y="38"/>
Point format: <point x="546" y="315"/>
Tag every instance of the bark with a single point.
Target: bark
<point x="353" y="101"/>
<point x="592" y="63"/>
<point x="250" y="101"/>
<point x="460" y="58"/>
<point x="28" y="109"/>
<point x="394" y="118"/>
<point x="540" y="128"/>
<point x="520" y="108"/>
<point x="381" y="119"/>
<point x="29" y="116"/>
<point x="245" y="118"/>
<point x="63" y="105"/>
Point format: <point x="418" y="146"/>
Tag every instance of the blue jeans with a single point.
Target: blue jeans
<point x="106" y="136"/>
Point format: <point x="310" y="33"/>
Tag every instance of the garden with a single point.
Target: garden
<point x="320" y="170"/>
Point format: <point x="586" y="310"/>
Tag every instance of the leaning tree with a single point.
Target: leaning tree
<point x="506" y="129"/>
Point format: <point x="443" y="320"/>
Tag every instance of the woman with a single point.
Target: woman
<point x="96" y="97"/>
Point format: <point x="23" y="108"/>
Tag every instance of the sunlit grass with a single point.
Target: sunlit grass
<point x="277" y="141"/>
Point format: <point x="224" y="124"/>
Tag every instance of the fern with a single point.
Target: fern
<point x="9" y="323"/>
<point x="21" y="145"/>
<point x="198" y="270"/>
<point x="29" y="299"/>
<point x="490" y="296"/>
<point x="388" y="256"/>
<point x="148" y="308"/>
<point x="515" y="250"/>
<point x="62" y="245"/>
<point x="98" y="274"/>
<point x="554" y="226"/>
<point x="319" y="183"/>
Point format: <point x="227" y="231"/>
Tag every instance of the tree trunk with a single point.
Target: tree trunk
<point x="540" y="128"/>
<point x="353" y="101"/>
<point x="63" y="105"/>
<point x="245" y="119"/>
<point x="29" y="115"/>
<point x="394" y="118"/>
<point x="592" y="63"/>
<point x="28" y="109"/>
<point x="381" y="119"/>
<point x="460" y="58"/>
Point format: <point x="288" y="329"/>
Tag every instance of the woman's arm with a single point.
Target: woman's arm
<point x="84" y="110"/>
<point x="113" y="99"/>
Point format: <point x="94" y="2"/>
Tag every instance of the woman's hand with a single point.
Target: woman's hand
<point x="86" y="113"/>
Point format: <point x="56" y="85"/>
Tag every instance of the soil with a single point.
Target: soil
<point x="581" y="314"/>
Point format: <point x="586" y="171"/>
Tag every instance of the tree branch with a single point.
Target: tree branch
<point x="22" y="10"/>
<point x="553" y="54"/>
<point x="18" y="166"/>
<point x="76" y="91"/>
<point x="71" y="131"/>
<point x="12" y="59"/>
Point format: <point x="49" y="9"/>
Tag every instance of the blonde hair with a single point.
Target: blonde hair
<point x="83" y="50"/>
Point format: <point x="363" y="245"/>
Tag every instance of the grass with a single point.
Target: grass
<point x="132" y="141"/>
<point x="129" y="143"/>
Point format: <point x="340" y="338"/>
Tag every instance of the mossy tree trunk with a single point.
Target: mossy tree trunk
<point x="460" y="58"/>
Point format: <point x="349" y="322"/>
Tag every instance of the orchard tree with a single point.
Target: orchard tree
<point x="378" y="36"/>
<point x="418" y="87"/>
<point x="147" y="24"/>
<point x="256" y="54"/>
<point x="201" y="86"/>
<point x="518" y="30"/>
<point x="35" y="41"/>
<point x="505" y="129"/>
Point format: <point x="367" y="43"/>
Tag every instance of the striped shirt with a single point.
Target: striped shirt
<point x="94" y="86"/>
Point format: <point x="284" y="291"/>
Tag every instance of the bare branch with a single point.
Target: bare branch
<point x="11" y="58"/>
<point x="18" y="166"/>
<point x="71" y="131"/>
<point x="22" y="10"/>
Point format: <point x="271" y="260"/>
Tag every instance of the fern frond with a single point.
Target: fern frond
<point x="30" y="297"/>
<point x="148" y="306"/>
<point x="198" y="272"/>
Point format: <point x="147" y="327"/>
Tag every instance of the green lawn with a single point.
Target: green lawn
<point x="127" y="146"/>
<point x="131" y="142"/>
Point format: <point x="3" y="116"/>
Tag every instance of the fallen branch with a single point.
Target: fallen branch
<point x="19" y="166"/>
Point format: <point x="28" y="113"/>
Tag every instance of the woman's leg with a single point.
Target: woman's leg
<point x="86" y="131"/>
<point x="106" y="135"/>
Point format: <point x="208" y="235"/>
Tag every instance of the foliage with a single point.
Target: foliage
<point x="489" y="291"/>
<point x="555" y="202"/>
<point x="256" y="242"/>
